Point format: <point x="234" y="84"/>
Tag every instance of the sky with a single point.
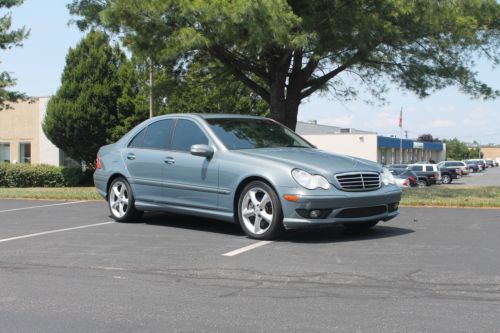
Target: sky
<point x="446" y="114"/>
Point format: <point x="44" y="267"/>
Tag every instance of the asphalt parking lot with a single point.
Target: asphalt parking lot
<point x="64" y="267"/>
<point x="488" y="177"/>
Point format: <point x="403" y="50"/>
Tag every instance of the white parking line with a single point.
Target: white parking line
<point x="246" y="248"/>
<point x="53" y="231"/>
<point x="42" y="206"/>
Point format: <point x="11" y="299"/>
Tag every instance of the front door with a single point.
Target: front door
<point x="190" y="181"/>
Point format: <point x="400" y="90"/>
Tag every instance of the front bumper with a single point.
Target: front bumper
<point x="341" y="207"/>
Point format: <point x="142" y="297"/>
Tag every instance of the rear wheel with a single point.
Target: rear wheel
<point x="259" y="211"/>
<point x="121" y="201"/>
<point x="446" y="179"/>
<point x="360" y="226"/>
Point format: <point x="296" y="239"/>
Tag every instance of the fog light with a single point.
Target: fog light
<point x="392" y="207"/>
<point x="315" y="213"/>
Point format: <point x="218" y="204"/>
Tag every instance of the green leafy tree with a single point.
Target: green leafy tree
<point x="456" y="150"/>
<point x="98" y="99"/>
<point x="284" y="51"/>
<point x="8" y="39"/>
<point x="427" y="138"/>
<point x="203" y="86"/>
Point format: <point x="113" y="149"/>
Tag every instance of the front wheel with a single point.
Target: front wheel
<point x="421" y="183"/>
<point x="121" y="201"/>
<point x="259" y="211"/>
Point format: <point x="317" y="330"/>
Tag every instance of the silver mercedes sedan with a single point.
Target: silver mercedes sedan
<point x="243" y="169"/>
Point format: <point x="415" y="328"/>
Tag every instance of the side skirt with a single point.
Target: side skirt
<point x="153" y="206"/>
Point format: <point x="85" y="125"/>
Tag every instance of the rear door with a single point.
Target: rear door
<point x="144" y="158"/>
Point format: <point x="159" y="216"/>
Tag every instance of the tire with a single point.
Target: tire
<point x="121" y="202"/>
<point x="422" y="183"/>
<point x="257" y="222"/>
<point x="446" y="179"/>
<point x="360" y="226"/>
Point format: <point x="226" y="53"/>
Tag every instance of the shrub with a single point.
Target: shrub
<point x="27" y="175"/>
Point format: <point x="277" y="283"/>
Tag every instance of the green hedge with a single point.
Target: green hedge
<point x="27" y="175"/>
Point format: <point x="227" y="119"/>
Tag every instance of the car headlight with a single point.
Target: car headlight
<point x="309" y="181"/>
<point x="387" y="177"/>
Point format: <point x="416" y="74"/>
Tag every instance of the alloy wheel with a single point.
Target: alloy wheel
<point x="119" y="199"/>
<point x="257" y="210"/>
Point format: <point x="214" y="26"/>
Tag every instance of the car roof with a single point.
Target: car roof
<point x="209" y="116"/>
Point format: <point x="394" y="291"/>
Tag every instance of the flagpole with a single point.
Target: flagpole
<point x="401" y="136"/>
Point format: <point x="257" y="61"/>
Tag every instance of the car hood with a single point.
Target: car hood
<point x="313" y="160"/>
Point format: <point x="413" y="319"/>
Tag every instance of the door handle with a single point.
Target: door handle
<point x="169" y="160"/>
<point x="131" y="156"/>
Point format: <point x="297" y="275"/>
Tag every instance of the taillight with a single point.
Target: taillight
<point x="98" y="163"/>
<point x="405" y="183"/>
<point x="411" y="178"/>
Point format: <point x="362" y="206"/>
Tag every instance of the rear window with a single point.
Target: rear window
<point x="158" y="134"/>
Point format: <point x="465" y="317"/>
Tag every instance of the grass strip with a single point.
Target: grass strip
<point x="50" y="193"/>
<point x="453" y="196"/>
<point x="433" y="196"/>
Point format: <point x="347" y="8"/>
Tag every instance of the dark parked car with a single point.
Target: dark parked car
<point x="448" y="174"/>
<point x="243" y="169"/>
<point x="428" y="174"/>
<point x="472" y="166"/>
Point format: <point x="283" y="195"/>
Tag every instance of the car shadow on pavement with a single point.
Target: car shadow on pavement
<point x="338" y="234"/>
<point x="191" y="223"/>
<point x="317" y="235"/>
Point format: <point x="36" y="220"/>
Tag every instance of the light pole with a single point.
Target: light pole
<point x="150" y="67"/>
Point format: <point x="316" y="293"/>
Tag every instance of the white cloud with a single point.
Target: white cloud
<point x="442" y="123"/>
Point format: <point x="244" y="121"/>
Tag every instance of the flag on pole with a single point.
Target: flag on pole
<point x="401" y="118"/>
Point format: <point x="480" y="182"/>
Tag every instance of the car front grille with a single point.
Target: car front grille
<point x="358" y="181"/>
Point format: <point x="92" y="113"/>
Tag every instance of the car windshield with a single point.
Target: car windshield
<point x="238" y="133"/>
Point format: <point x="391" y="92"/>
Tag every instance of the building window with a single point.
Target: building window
<point x="25" y="152"/>
<point x="4" y="152"/>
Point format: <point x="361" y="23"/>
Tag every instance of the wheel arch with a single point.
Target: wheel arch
<point x="111" y="179"/>
<point x="240" y="188"/>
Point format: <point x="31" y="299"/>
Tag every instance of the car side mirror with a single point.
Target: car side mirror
<point x="202" y="150"/>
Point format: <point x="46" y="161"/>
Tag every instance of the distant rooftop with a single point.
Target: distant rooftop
<point x="313" y="128"/>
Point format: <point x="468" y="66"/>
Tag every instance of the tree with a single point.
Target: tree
<point x="427" y="138"/>
<point x="285" y="51"/>
<point x="98" y="99"/>
<point x="203" y="87"/>
<point x="8" y="39"/>
<point x="456" y="150"/>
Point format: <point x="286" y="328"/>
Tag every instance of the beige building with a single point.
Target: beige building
<point x="369" y="145"/>
<point x="21" y="136"/>
<point x="491" y="152"/>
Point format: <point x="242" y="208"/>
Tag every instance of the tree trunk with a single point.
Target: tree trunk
<point x="285" y="111"/>
<point x="285" y="98"/>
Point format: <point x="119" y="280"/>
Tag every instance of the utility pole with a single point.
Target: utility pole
<point x="150" y="67"/>
<point x="401" y="136"/>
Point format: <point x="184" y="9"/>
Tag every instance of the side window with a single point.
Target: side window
<point x="137" y="140"/>
<point x="416" y="168"/>
<point x="187" y="133"/>
<point x="158" y="134"/>
<point x="429" y="168"/>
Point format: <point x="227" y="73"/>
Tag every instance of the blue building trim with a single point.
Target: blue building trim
<point x="388" y="142"/>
